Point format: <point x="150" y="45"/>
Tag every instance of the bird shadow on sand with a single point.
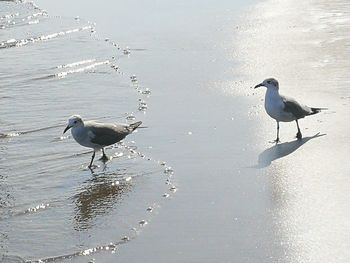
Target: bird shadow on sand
<point x="281" y="150"/>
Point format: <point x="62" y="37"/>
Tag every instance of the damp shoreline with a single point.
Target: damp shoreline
<point x="202" y="183"/>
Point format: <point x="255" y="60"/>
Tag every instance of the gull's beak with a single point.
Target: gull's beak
<point x="66" y="129"/>
<point x="259" y="85"/>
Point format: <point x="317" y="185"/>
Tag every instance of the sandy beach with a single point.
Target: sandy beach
<point x="218" y="189"/>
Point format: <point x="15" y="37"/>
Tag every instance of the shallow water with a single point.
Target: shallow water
<point x="201" y="183"/>
<point x="51" y="204"/>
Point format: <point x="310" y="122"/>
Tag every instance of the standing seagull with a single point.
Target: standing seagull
<point x="98" y="135"/>
<point x="282" y="108"/>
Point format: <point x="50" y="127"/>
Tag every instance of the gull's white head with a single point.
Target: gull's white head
<point x="74" y="121"/>
<point x="269" y="83"/>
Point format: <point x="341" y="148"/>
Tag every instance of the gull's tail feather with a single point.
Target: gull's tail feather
<point x="134" y="125"/>
<point x="317" y="110"/>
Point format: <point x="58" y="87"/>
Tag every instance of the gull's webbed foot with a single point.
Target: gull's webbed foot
<point x="299" y="135"/>
<point x="275" y="141"/>
<point x="104" y="158"/>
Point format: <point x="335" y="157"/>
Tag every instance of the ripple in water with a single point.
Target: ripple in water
<point x="10" y="259"/>
<point x="52" y="191"/>
<point x="23" y="42"/>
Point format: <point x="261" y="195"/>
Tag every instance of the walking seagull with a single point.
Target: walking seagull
<point x="98" y="135"/>
<point x="283" y="108"/>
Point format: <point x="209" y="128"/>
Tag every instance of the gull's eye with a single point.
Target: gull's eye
<point x="75" y="122"/>
<point x="269" y="82"/>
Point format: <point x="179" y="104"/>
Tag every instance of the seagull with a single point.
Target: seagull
<point x="283" y="108"/>
<point x="96" y="135"/>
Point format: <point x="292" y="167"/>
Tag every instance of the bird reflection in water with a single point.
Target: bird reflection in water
<point x="98" y="196"/>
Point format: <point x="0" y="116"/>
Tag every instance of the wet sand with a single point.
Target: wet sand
<point x="239" y="198"/>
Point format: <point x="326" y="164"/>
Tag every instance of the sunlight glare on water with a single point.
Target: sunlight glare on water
<point x="305" y="47"/>
<point x="53" y="67"/>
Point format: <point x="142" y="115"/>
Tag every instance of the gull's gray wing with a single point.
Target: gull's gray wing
<point x="291" y="105"/>
<point x="106" y="134"/>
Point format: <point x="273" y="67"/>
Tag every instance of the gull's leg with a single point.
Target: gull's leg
<point x="299" y="135"/>
<point x="104" y="156"/>
<point x="278" y="134"/>
<point x="92" y="159"/>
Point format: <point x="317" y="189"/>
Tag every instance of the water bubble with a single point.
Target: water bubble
<point x="130" y="117"/>
<point x="168" y="170"/>
<point x="87" y="252"/>
<point x="143" y="222"/>
<point x="166" y="195"/>
<point x="126" y="51"/>
<point x="173" y="189"/>
<point x="147" y="91"/>
<point x="115" y="67"/>
<point x="12" y="40"/>
<point x="115" y="183"/>
<point x="128" y="179"/>
<point x="189" y="133"/>
<point x="142" y="106"/>
<point x="125" y="238"/>
<point x="112" y="247"/>
<point x="149" y="209"/>
<point x="13" y="134"/>
<point x="36" y="208"/>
